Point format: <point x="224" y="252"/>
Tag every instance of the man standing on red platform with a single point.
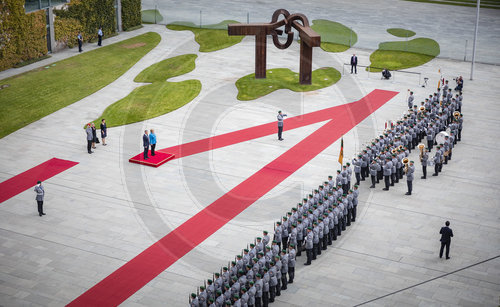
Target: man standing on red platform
<point x="145" y="144"/>
<point x="354" y="63"/>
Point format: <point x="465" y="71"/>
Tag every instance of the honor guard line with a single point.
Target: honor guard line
<point x="136" y="273"/>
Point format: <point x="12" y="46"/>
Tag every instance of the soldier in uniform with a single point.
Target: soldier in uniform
<point x="309" y="245"/>
<point x="373" y="172"/>
<point x="410" y="101"/>
<point x="284" y="232"/>
<point x="387" y="172"/>
<point x="409" y="177"/>
<point x="424" y="159"/>
<point x="202" y="297"/>
<point x="291" y="263"/>
<point x="349" y="174"/>
<point x="265" y="289"/>
<point x="265" y="237"/>
<point x="273" y="282"/>
<point x="437" y="162"/>
<point x="357" y="168"/>
<point x="277" y="234"/>
<point x="259" y="287"/>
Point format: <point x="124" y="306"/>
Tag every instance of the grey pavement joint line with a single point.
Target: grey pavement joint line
<point x="429" y="280"/>
<point x="430" y="215"/>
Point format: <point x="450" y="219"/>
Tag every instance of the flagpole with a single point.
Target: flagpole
<point x="475" y="38"/>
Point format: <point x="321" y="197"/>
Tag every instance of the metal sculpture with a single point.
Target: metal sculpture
<point x="308" y="39"/>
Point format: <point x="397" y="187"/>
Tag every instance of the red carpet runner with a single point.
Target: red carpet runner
<point x="132" y="276"/>
<point x="20" y="183"/>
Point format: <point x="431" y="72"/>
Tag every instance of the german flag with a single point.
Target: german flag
<point x="341" y="155"/>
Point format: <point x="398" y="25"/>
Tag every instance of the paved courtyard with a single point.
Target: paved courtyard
<point x="105" y="211"/>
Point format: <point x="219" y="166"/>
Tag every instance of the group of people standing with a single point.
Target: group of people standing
<point x="266" y="267"/>
<point x="149" y="140"/>
<point x="387" y="157"/>
<point x="79" y="38"/>
<point x="91" y="133"/>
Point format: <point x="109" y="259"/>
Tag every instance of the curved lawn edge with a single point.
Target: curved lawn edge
<point x="250" y="88"/>
<point x="35" y="94"/>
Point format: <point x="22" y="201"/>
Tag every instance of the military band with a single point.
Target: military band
<point x="265" y="267"/>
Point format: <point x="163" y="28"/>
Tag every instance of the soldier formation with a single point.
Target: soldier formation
<point x="266" y="267"/>
<point x="385" y="158"/>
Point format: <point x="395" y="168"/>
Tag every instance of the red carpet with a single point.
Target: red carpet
<point x="132" y="276"/>
<point x="20" y="183"/>
<point x="158" y="159"/>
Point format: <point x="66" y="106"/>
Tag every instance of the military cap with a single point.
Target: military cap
<point x="202" y="287"/>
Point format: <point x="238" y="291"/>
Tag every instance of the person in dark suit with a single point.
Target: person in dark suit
<point x="145" y="143"/>
<point x="80" y="41"/>
<point x="446" y="234"/>
<point x="354" y="63"/>
<point x="99" y="37"/>
<point x="104" y="132"/>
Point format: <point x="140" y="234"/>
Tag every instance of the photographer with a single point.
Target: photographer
<point x="460" y="83"/>
<point x="386" y="74"/>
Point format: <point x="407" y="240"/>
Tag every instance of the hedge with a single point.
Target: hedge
<point x="91" y="14"/>
<point x="22" y="36"/>
<point x="131" y="14"/>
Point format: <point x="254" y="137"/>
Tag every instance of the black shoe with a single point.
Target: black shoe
<point x="385" y="189"/>
<point x="307" y="263"/>
<point x="290" y="281"/>
<point x="392" y="184"/>
<point x="353" y="220"/>
<point x="448" y="258"/>
<point x="43" y="214"/>
<point x="423" y="177"/>
<point x="372" y="186"/>
<point x="280" y="139"/>
<point x="407" y="193"/>
<point x="40" y="214"/>
<point x="435" y="174"/>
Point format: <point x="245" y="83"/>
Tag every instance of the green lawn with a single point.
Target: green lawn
<point x="335" y="37"/>
<point x="157" y="98"/>
<point x="250" y="88"/>
<point x="209" y="37"/>
<point x="399" y="32"/>
<point x="40" y="92"/>
<point x="403" y="54"/>
<point x="151" y="16"/>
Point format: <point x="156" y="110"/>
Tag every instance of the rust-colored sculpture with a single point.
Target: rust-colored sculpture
<point x="308" y="39"/>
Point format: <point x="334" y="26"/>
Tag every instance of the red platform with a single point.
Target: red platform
<point x="158" y="159"/>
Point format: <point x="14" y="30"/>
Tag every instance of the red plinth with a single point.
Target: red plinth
<point x="158" y="159"/>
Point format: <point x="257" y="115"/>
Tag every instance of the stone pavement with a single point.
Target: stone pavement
<point x="104" y="211"/>
<point x="451" y="26"/>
